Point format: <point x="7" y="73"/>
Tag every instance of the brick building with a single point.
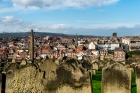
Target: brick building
<point x="119" y="55"/>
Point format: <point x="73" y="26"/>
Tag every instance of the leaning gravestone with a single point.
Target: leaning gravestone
<point x="116" y="78"/>
<point x="138" y="78"/>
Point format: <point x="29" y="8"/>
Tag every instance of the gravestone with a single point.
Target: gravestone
<point x="23" y="62"/>
<point x="101" y="64"/>
<point x="48" y="77"/>
<point x="116" y="78"/>
<point x="95" y="66"/>
<point x="13" y="61"/>
<point x="107" y="64"/>
<point x="138" y="78"/>
<point x="57" y="61"/>
<point x="131" y="69"/>
<point x="93" y="72"/>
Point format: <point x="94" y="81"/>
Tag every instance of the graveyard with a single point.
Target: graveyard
<point x="73" y="76"/>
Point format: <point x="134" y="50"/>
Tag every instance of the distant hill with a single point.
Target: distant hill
<point x="2" y="35"/>
<point x="25" y="34"/>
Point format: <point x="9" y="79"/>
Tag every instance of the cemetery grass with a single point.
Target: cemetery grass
<point x="96" y="81"/>
<point x="97" y="78"/>
<point x="133" y="90"/>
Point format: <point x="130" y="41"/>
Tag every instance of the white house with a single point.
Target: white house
<point x="80" y="55"/>
<point x="126" y="41"/>
<point x="61" y="47"/>
<point x="80" y="42"/>
<point x="95" y="52"/>
<point x="20" y="50"/>
<point x="113" y="46"/>
<point x="43" y="56"/>
<point x="110" y="46"/>
<point x="92" y="46"/>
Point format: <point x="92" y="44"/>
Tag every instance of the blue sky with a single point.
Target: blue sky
<point x="85" y="17"/>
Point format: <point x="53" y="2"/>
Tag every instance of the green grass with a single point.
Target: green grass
<point x="96" y="82"/>
<point x="111" y="51"/>
<point x="1" y="69"/>
<point x="133" y="90"/>
<point x="131" y="53"/>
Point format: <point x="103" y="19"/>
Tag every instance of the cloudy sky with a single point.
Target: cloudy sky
<point x="86" y="17"/>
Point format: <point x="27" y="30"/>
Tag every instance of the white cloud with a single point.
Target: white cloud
<point x="110" y="26"/>
<point x="57" y="4"/>
<point x="11" y="24"/>
<point x="9" y="20"/>
<point x="59" y="26"/>
<point x="17" y="7"/>
<point x="88" y="21"/>
<point x="31" y="5"/>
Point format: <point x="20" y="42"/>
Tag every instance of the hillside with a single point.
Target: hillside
<point x="24" y="34"/>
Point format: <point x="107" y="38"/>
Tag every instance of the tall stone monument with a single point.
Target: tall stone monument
<point x="32" y="46"/>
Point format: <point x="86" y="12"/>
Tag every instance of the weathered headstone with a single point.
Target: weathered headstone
<point x="93" y="71"/>
<point x="70" y="77"/>
<point x="23" y="62"/>
<point x="23" y="80"/>
<point x="95" y="66"/>
<point x="116" y="78"/>
<point x="138" y="78"/>
<point x="131" y="69"/>
<point x="48" y="77"/>
<point x="13" y="61"/>
<point x="57" y="61"/>
<point x="101" y="57"/>
<point x="107" y="64"/>
<point x="123" y="62"/>
<point x="101" y="64"/>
